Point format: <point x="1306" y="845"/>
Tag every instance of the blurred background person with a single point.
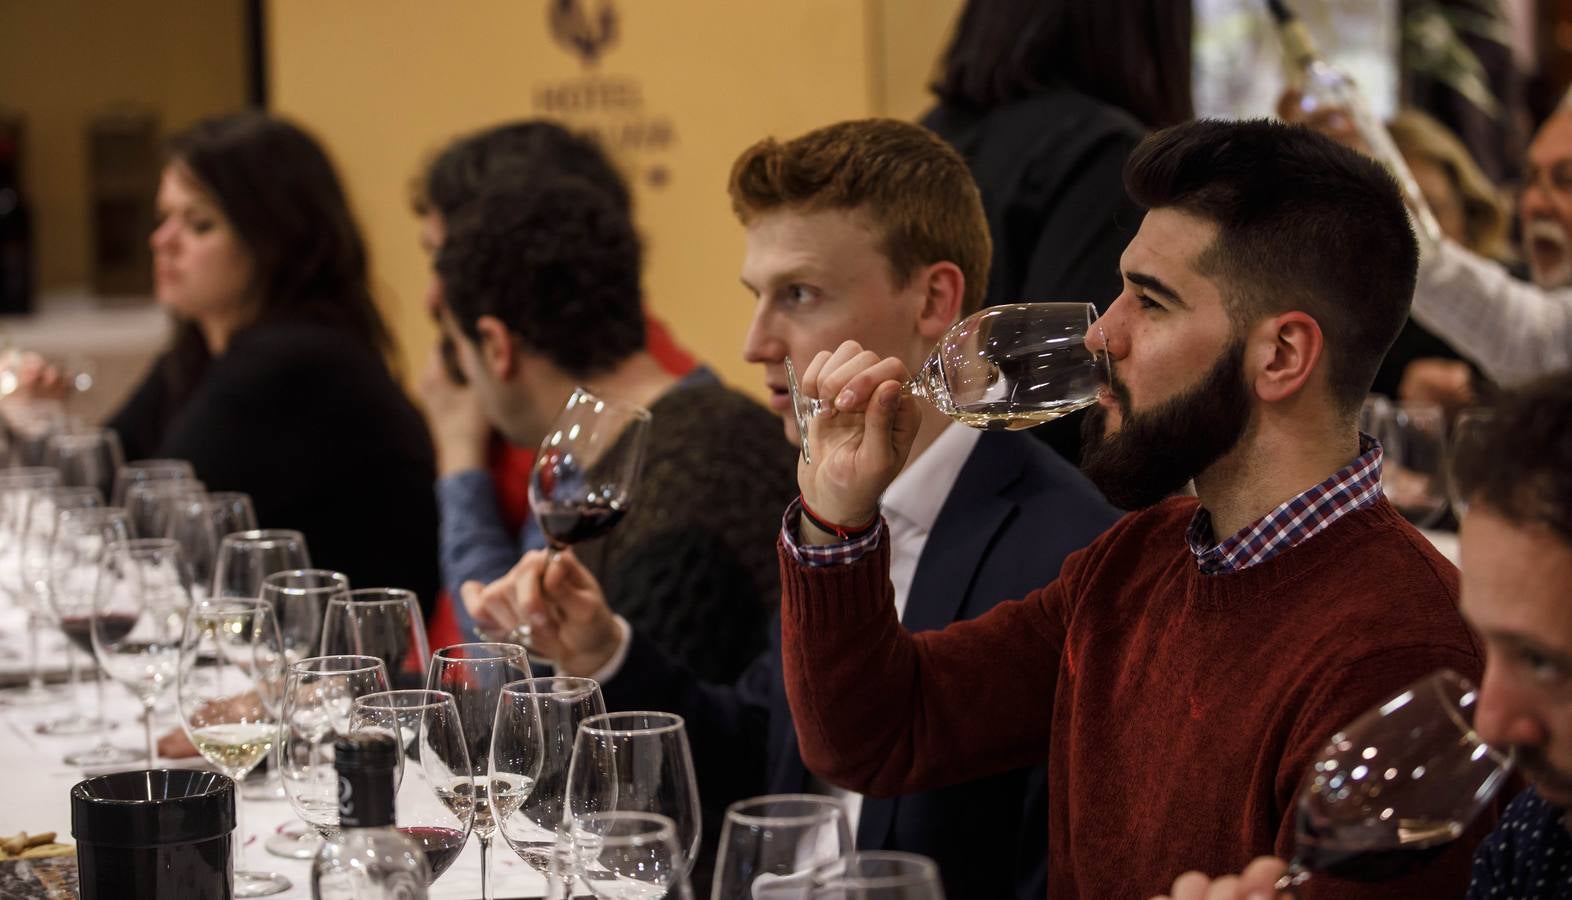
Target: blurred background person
<point x="1045" y="99"/>
<point x="277" y="381"/>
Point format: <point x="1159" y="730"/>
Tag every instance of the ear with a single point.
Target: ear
<point x="498" y="348"/>
<point x="944" y="288"/>
<point x="1282" y="353"/>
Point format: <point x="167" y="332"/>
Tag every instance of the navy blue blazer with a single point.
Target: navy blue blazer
<point x="1015" y="511"/>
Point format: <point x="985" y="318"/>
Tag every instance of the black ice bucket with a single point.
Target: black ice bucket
<point x="157" y="833"/>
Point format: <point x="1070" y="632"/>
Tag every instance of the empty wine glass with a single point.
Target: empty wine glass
<point x="230" y="691"/>
<point x="381" y="622"/>
<point x="1468" y="430"/>
<point x="586" y="472"/>
<point x="772" y="846"/>
<point x="1005" y="367"/>
<point x="149" y="504"/>
<point x="635" y="762"/>
<point x="1413" y="443"/>
<point x="231" y="511"/>
<point x="319" y="695"/>
<point x="86" y="457"/>
<point x="475" y="675"/>
<point x="139" y="611"/>
<point x="16" y="488"/>
<point x="435" y="800"/>
<point x="1396" y="785"/>
<point x="558" y="704"/>
<point x="247" y="557"/>
<point x="875" y="875"/>
<point x="622" y="855"/>
<point x="75" y="554"/>
<point x="138" y="471"/>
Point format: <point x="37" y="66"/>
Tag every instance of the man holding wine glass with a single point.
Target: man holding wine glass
<point x="540" y="285"/>
<point x="873" y="231"/>
<point x="1181" y="671"/>
<point x="1516" y="545"/>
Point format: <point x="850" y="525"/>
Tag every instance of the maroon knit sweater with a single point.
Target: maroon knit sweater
<point x="1177" y="711"/>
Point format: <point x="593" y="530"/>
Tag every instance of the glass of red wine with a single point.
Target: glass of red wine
<point x="1394" y="787"/>
<point x="586" y="472"/>
<point x="435" y="800"/>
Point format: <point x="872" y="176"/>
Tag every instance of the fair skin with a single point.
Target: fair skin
<point x="1162" y="334"/>
<point x="458" y="425"/>
<point x="202" y="271"/>
<point x="1520" y="613"/>
<point x="1545" y="206"/>
<point x="817" y="279"/>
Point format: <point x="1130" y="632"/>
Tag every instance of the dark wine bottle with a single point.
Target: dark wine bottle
<point x="16" y="230"/>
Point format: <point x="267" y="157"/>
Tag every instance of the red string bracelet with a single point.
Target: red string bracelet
<point x="841" y="532"/>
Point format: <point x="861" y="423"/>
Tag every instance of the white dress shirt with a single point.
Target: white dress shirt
<point x="1513" y="329"/>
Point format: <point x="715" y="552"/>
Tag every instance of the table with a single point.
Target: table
<point x="36" y="785"/>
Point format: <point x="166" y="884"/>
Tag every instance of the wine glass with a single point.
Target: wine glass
<point x="555" y="706"/>
<point x="769" y="844"/>
<point x="875" y="875"/>
<point x="435" y="800"/>
<point x="149" y="504"/>
<point x="247" y="557"/>
<point x="622" y="855"/>
<point x="16" y="488"/>
<point x="475" y="675"/>
<point x="231" y="511"/>
<point x="319" y="695"/>
<point x="229" y="692"/>
<point x="75" y="553"/>
<point x="1396" y="785"/>
<point x="381" y="622"/>
<point x="1470" y="428"/>
<point x="1005" y="367"/>
<point x="1413" y="443"/>
<point x="87" y="457"/>
<point x="635" y="762"/>
<point x="38" y="530"/>
<point x="198" y="520"/>
<point x="586" y="472"/>
<point x="139" y="610"/>
<point x="138" y="471"/>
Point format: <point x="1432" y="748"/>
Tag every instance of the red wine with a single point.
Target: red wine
<point x="112" y="627"/>
<point x="441" y="845"/>
<point x="1375" y="851"/>
<point x="572" y="523"/>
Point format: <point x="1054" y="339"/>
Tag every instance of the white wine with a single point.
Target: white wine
<point x="508" y="793"/>
<point x="236" y="746"/>
<point x="1002" y="415"/>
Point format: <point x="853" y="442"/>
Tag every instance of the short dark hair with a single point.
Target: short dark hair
<point x="464" y="169"/>
<point x="1133" y="54"/>
<point x="557" y="261"/>
<point x="1521" y="466"/>
<point x="1302" y="223"/>
<point x="913" y="186"/>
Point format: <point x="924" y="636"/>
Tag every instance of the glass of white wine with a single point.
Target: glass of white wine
<point x="1005" y="367"/>
<point x="229" y="690"/>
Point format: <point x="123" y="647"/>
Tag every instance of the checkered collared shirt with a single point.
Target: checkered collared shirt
<point x="1352" y="487"/>
<point x="842" y="553"/>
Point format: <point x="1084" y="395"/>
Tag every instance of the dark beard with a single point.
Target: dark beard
<point x="1155" y="453"/>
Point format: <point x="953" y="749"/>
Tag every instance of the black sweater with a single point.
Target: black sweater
<point x="307" y="420"/>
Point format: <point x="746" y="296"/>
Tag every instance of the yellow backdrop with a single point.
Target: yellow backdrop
<point x="675" y="87"/>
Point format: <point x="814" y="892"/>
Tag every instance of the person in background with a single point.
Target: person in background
<point x="1260" y="610"/>
<point x="1516" y="542"/>
<point x="482" y="479"/>
<point x="975" y="516"/>
<point x="1421" y="367"/>
<point x="539" y="280"/>
<point x="1045" y="99"/>
<point x="277" y="382"/>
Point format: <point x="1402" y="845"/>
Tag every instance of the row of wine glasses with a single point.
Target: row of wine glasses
<point x="1419" y="446"/>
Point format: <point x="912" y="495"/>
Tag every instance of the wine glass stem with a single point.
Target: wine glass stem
<point x="240" y="829"/>
<point x="35" y="675"/>
<point x="147" y="732"/>
<point x="103" y="712"/>
<point x="485" y="867"/>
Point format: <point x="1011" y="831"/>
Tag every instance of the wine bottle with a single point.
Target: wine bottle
<point x="1322" y="87"/>
<point x="368" y="859"/>
<point x="16" y="233"/>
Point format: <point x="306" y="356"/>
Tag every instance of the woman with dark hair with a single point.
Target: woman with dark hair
<point x="277" y="382"/>
<point x="1046" y="99"/>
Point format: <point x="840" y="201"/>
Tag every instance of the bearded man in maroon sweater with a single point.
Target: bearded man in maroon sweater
<point x="1187" y="665"/>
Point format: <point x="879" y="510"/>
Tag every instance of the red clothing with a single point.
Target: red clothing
<point x="1178" y="711"/>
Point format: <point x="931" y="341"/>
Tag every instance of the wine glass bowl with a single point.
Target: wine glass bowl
<point x="1469" y="429"/>
<point x="1396" y="785"/>
<point x="587" y="468"/>
<point x="877" y="875"/>
<point x="381" y="622"/>
<point x="537" y="720"/>
<point x="1413" y="444"/>
<point x="623" y="855"/>
<point x="1004" y="367"/>
<point x="319" y="696"/>
<point x="769" y="843"/>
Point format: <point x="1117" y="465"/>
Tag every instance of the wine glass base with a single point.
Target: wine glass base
<point x="301" y="844"/>
<point x="34" y="696"/>
<point x="103" y="755"/>
<point x="70" y="725"/>
<point x="260" y="884"/>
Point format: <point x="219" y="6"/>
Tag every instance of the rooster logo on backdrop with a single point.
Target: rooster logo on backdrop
<point x="586" y="27"/>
